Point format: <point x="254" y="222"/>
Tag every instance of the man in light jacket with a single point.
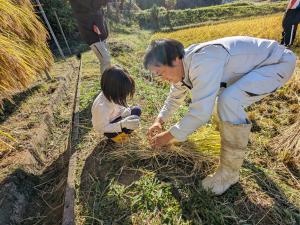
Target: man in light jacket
<point x="290" y="22"/>
<point x="93" y="27"/>
<point x="238" y="70"/>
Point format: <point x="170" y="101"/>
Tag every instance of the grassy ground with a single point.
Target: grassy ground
<point x="134" y="184"/>
<point x="32" y="171"/>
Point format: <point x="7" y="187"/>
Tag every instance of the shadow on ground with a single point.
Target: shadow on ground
<point x="34" y="199"/>
<point x="9" y="107"/>
<point x="238" y="205"/>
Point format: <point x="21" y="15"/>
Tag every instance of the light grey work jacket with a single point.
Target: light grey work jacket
<point x="208" y="66"/>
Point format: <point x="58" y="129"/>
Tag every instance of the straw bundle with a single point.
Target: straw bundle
<point x="184" y="160"/>
<point x="287" y="145"/>
<point x="24" y="52"/>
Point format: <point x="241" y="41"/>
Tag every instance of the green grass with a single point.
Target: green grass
<point x="134" y="184"/>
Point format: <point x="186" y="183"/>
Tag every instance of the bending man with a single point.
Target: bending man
<point x="239" y="70"/>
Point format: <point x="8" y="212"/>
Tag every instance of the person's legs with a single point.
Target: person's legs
<point x="289" y="25"/>
<point x="135" y="110"/>
<point x="235" y="126"/>
<point x="288" y="28"/>
<point x="115" y="134"/>
<point x="289" y="34"/>
<point x="254" y="86"/>
<point x="121" y="136"/>
<point x="101" y="51"/>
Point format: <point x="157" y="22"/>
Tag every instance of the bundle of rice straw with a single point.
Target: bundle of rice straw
<point x="287" y="145"/>
<point x="24" y="53"/>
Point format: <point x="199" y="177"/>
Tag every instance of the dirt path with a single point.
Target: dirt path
<point x="34" y="169"/>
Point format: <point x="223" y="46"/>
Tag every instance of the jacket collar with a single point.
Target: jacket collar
<point x="186" y="61"/>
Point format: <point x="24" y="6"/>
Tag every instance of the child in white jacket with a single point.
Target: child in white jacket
<point x="111" y="115"/>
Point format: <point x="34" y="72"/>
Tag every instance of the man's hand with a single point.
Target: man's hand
<point x="156" y="128"/>
<point x="161" y="139"/>
<point x="96" y="29"/>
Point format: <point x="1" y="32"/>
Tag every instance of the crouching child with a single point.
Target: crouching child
<point x="111" y="115"/>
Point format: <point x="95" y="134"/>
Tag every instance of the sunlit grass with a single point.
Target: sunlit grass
<point x="136" y="181"/>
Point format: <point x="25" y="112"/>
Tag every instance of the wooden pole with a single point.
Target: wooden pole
<point x="50" y="28"/>
<point x="62" y="31"/>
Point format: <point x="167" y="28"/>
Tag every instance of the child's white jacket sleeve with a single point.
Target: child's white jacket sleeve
<point x="101" y="112"/>
<point x="206" y="72"/>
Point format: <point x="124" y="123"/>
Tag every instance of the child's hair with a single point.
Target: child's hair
<point x="117" y="85"/>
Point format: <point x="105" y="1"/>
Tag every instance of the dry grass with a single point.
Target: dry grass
<point x="184" y="160"/>
<point x="278" y="119"/>
<point x="24" y="52"/>
<point x="19" y="17"/>
<point x="4" y="145"/>
<point x="287" y="145"/>
<point x="130" y="179"/>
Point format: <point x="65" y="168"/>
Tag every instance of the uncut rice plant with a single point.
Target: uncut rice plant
<point x="263" y="27"/>
<point x="24" y="51"/>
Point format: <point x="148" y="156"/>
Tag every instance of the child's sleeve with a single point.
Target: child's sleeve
<point x="100" y="119"/>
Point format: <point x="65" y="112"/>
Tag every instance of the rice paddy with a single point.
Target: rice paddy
<point x="263" y="27"/>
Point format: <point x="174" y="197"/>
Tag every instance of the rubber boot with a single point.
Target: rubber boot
<point x="234" y="140"/>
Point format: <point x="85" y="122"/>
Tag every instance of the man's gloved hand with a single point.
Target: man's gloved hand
<point x="130" y="122"/>
<point x="126" y="112"/>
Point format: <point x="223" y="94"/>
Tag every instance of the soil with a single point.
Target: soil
<point x="33" y="168"/>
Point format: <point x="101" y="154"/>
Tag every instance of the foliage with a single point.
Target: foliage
<point x="213" y="13"/>
<point x="170" y="4"/>
<point x="154" y="13"/>
<point x="178" y="4"/>
<point x="183" y="4"/>
<point x="65" y="16"/>
<point x="146" y="4"/>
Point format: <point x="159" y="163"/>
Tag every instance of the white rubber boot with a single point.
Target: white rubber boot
<point x="234" y="140"/>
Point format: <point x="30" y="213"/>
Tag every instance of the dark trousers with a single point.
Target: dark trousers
<point x="135" y="110"/>
<point x="88" y="13"/>
<point x="289" y="24"/>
